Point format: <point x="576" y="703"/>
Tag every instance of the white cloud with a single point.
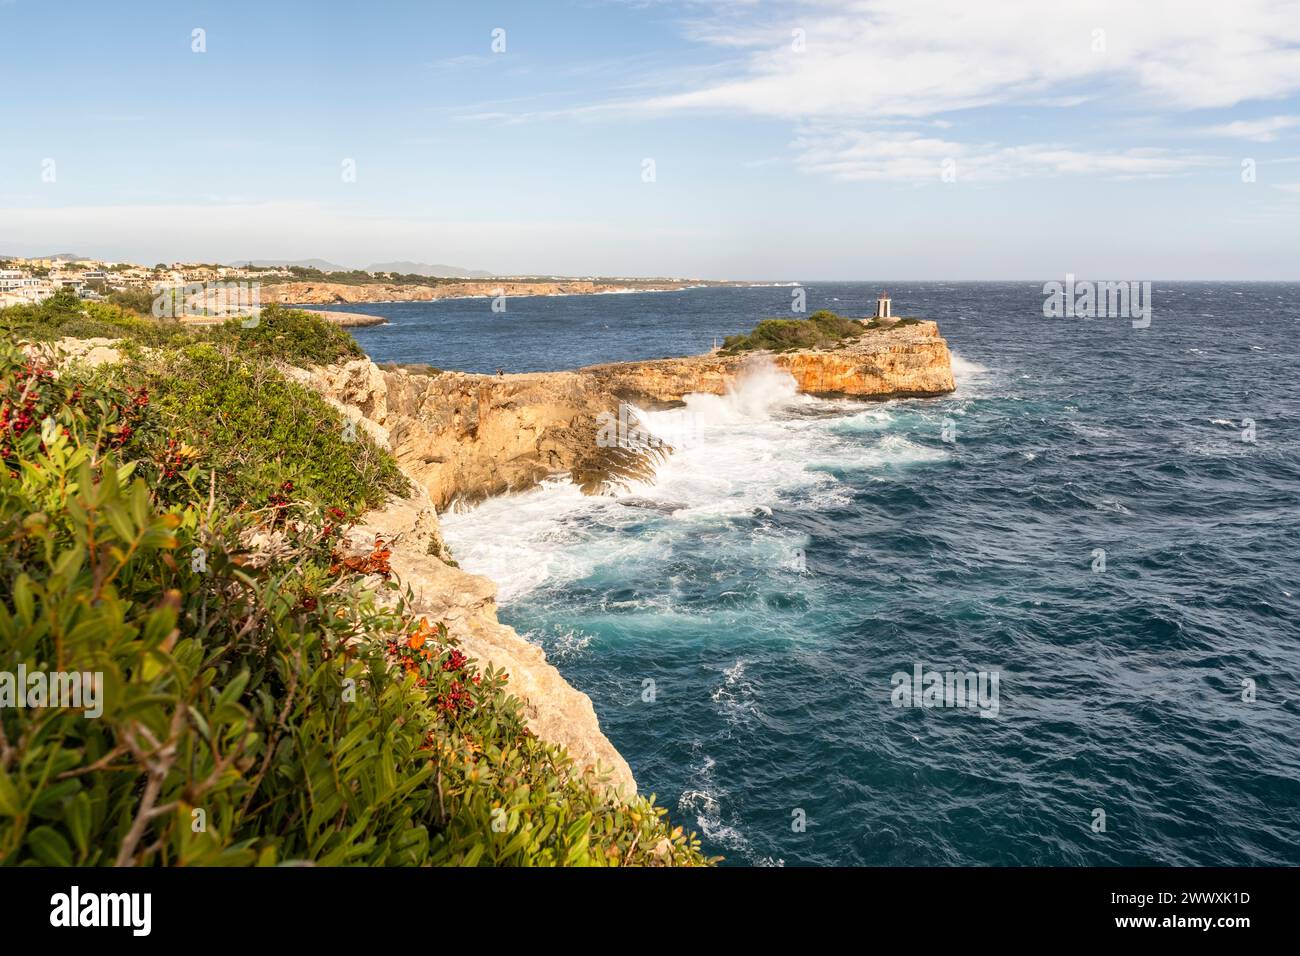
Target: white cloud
<point x="1260" y="130"/>
<point x="893" y="156"/>
<point x="871" y="58"/>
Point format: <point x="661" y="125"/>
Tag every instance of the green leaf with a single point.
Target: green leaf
<point x="78" y="819"/>
<point x="49" y="846"/>
<point x="23" y="602"/>
<point x="10" y="803"/>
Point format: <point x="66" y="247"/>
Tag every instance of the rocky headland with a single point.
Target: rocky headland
<point x="465" y="436"/>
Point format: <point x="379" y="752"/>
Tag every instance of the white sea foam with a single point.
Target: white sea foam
<point x="889" y="452"/>
<point x="965" y="371"/>
<point x="736" y="456"/>
<point x="569" y="645"/>
<point x="1111" y="504"/>
<point x="704" y="801"/>
<point x="735" y="696"/>
<point x="870" y="420"/>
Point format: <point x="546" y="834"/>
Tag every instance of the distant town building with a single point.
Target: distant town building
<point x="18" y="288"/>
<point x="884" y="308"/>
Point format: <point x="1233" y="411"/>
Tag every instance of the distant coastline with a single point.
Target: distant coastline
<point x="315" y="293"/>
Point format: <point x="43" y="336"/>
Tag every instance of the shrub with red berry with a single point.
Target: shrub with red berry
<point x="267" y="682"/>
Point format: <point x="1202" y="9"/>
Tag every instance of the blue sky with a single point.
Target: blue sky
<point x="791" y="140"/>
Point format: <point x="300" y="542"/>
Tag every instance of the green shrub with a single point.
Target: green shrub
<point x="257" y="708"/>
<point x="255" y="430"/>
<point x="284" y="335"/>
<point x="288" y="335"/>
<point x="63" y="315"/>
<point x="821" y="330"/>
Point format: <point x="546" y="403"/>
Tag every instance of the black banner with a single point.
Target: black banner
<point x="331" y="906"/>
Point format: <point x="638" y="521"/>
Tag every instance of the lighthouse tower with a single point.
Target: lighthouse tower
<point x="884" y="308"/>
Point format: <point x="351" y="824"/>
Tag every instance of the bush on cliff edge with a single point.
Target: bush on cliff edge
<point x="821" y="330"/>
<point x="255" y="430"/>
<point x="286" y="335"/>
<point x="256" y="705"/>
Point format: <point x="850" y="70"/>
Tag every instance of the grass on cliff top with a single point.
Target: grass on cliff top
<point x="821" y="330"/>
<point x="65" y="316"/>
<point x="285" y="335"/>
<point x="245" y="712"/>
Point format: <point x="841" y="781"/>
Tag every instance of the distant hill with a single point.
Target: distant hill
<point x="434" y="271"/>
<point x="57" y="257"/>
<point x="323" y="265"/>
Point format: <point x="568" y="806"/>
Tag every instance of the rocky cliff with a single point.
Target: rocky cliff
<point x="902" y="361"/>
<point x="469" y="436"/>
<point x="466" y="436"/>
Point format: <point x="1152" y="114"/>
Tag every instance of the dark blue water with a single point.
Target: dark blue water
<point x="800" y="552"/>
<point x="547" y="333"/>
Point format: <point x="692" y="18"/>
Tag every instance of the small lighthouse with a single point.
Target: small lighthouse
<point x="884" y="308"/>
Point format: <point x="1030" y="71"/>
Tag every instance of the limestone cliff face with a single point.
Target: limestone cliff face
<point x="459" y="435"/>
<point x="904" y="361"/>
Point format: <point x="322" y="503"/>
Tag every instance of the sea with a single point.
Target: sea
<point x="1052" y="618"/>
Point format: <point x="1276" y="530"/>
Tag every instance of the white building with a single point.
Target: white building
<point x="884" y="308"/>
<point x="23" y="289"/>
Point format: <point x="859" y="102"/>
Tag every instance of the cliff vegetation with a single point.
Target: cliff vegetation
<point x="280" y="334"/>
<point x="171" y="524"/>
<point x="821" y="330"/>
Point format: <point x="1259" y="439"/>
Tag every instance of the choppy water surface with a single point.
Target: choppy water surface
<point x="798" y="552"/>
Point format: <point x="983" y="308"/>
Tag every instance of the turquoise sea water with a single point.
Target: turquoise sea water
<point x="796" y="553"/>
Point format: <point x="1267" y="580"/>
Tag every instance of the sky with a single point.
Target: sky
<point x="751" y="139"/>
